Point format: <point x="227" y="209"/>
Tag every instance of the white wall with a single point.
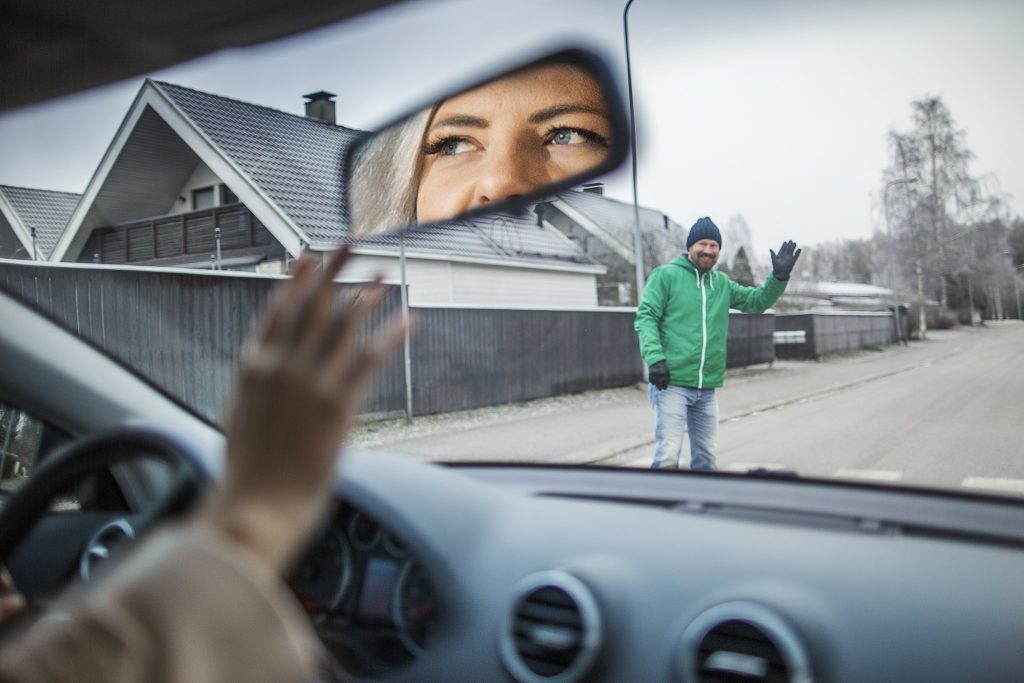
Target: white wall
<point x="201" y="177"/>
<point x="453" y="282"/>
<point x="495" y="285"/>
<point x="275" y="267"/>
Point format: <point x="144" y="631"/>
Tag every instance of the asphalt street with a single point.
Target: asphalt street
<point x="943" y="412"/>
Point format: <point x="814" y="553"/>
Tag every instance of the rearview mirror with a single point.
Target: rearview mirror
<point x="497" y="145"/>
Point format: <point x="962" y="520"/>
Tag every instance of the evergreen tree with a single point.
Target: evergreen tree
<point x="741" y="271"/>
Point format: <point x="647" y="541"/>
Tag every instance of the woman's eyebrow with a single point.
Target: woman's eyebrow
<point x="549" y="113"/>
<point x="461" y="120"/>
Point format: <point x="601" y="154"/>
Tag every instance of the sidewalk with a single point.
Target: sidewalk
<point x="600" y="426"/>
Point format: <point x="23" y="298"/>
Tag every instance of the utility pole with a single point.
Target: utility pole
<point x="406" y="342"/>
<point x="638" y="253"/>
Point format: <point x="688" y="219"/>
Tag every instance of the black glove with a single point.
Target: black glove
<point x="783" y="262"/>
<point x="658" y="374"/>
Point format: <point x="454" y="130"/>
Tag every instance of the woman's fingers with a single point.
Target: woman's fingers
<point x="280" y="310"/>
<point x="302" y="306"/>
<point x="307" y="325"/>
<point x="348" y="361"/>
<point x="313" y="304"/>
<point x="343" y="345"/>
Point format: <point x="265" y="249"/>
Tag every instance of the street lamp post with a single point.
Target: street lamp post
<point x="638" y="253"/>
<point x="892" y="248"/>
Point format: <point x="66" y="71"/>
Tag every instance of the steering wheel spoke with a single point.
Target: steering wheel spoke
<point x="105" y="531"/>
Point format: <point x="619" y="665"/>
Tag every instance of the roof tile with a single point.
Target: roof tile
<point x="48" y="211"/>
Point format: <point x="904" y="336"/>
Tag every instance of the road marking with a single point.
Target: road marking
<point x="748" y="466"/>
<point x="994" y="483"/>
<point x="874" y="475"/>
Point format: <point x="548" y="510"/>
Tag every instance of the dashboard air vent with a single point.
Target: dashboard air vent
<point x="745" y="642"/>
<point x="553" y="630"/>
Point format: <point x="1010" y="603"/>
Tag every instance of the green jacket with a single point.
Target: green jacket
<point x="683" y="319"/>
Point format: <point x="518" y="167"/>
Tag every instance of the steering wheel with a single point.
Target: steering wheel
<point x="82" y="458"/>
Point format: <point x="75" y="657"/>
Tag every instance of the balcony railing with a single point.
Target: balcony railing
<point x="179" y="237"/>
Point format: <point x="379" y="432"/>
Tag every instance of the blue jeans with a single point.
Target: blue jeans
<point x="677" y="409"/>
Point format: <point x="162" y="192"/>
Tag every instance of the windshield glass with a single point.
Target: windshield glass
<point x="648" y="317"/>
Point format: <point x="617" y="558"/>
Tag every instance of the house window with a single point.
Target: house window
<point x="202" y="199"/>
<point x="227" y="196"/>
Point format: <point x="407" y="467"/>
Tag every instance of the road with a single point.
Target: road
<point x="946" y="412"/>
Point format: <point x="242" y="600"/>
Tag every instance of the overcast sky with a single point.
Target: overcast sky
<point x="775" y="110"/>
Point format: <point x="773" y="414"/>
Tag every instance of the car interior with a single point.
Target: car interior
<point x="497" y="571"/>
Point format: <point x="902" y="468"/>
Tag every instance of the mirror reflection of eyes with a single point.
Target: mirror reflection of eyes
<point x="521" y="136"/>
<point x="450" y="146"/>
<point x="509" y="137"/>
<point x="576" y="136"/>
<point x="453" y="145"/>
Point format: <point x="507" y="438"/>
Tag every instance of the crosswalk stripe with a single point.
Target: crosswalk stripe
<point x="875" y="475"/>
<point x="994" y="484"/>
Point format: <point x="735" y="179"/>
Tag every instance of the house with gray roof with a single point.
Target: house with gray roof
<point x="603" y="228"/>
<point x="32" y="220"/>
<point x="193" y="179"/>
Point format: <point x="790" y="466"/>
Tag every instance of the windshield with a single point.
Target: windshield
<point x="652" y="316"/>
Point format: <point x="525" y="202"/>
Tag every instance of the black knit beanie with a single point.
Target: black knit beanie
<point x="703" y="229"/>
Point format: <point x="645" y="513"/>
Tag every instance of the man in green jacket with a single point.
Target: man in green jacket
<point x="683" y="322"/>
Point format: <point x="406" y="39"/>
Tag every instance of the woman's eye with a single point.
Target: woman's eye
<point x="450" y="146"/>
<point x="574" y="136"/>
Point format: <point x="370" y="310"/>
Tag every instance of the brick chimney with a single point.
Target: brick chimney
<point x="320" y="106"/>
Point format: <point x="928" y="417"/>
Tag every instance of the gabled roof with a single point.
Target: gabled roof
<point x="25" y="209"/>
<point x="610" y="220"/>
<point x="286" y="168"/>
<point x="500" y="238"/>
<point x="295" y="160"/>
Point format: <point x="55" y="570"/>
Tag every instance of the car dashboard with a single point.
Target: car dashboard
<point x="514" y="572"/>
<point x="369" y="599"/>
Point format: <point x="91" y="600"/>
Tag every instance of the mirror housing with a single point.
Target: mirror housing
<point x="499" y="145"/>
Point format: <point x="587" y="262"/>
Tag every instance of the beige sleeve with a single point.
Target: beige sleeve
<point x="189" y="605"/>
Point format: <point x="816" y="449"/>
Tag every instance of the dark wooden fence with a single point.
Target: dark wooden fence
<point x="463" y="358"/>
<point x="812" y="335"/>
<point x="183" y="330"/>
<point x="751" y="340"/>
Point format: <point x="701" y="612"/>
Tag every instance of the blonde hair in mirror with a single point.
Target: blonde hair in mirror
<point x="385" y="177"/>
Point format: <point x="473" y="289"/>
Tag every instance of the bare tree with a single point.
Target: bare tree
<point x="935" y="154"/>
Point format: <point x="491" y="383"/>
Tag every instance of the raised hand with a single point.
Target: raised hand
<point x="300" y="381"/>
<point x="783" y="262"/>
